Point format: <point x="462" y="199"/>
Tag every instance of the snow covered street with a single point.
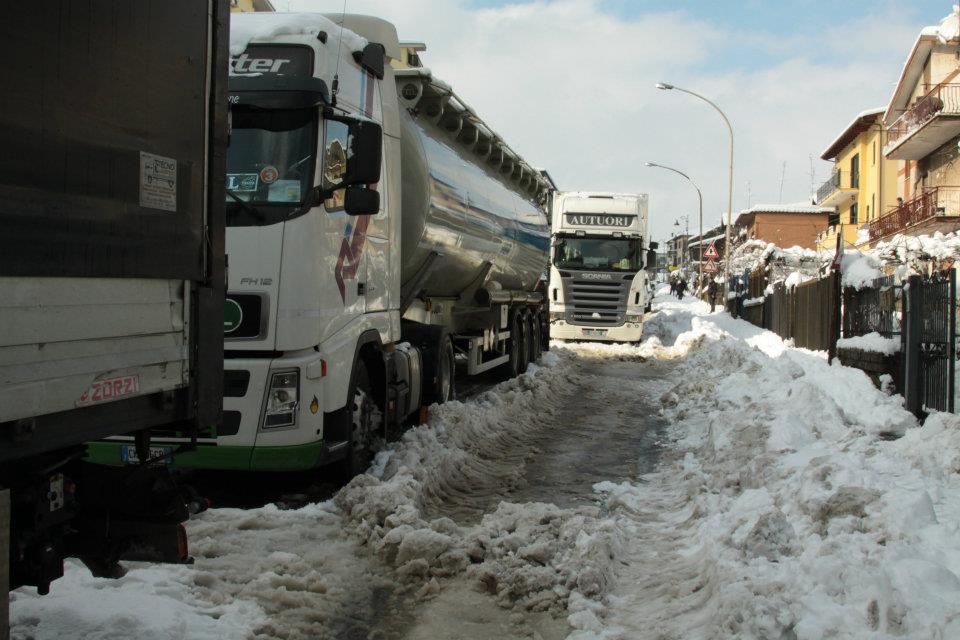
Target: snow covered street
<point x="709" y="482"/>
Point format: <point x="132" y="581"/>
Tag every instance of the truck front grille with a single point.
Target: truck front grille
<point x="596" y="299"/>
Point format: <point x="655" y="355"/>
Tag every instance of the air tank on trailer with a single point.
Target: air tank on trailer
<point x="472" y="209"/>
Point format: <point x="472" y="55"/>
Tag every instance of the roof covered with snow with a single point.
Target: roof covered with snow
<point x="860" y="124"/>
<point x="948" y="31"/>
<point x="796" y="207"/>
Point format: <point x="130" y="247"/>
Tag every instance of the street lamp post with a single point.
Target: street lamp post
<point x="700" y="198"/>
<point x="726" y="242"/>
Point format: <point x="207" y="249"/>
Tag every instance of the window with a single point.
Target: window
<point x="873" y="156"/>
<point x="855" y="171"/>
<point x="613" y="254"/>
<point x="269" y="164"/>
<point x="873" y="204"/>
<point x="853" y="213"/>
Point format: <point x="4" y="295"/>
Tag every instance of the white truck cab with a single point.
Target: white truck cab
<point x="598" y="278"/>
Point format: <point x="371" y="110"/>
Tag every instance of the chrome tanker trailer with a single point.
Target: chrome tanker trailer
<point x="383" y="241"/>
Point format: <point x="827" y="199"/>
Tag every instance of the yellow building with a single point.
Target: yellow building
<point x="249" y="6"/>
<point x="862" y="185"/>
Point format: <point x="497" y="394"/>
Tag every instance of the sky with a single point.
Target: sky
<point x="569" y="84"/>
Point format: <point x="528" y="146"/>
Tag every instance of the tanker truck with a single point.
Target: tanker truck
<point x="111" y="272"/>
<point x="383" y="241"/>
<point x="599" y="284"/>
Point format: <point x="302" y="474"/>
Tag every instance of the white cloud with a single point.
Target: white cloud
<point x="571" y="87"/>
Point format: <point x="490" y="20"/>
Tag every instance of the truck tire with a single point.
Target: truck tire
<point x="436" y="351"/>
<point x="365" y="417"/>
<point x="444" y="378"/>
<point x="544" y="331"/>
<point x="524" y="320"/>
<point x="535" y="341"/>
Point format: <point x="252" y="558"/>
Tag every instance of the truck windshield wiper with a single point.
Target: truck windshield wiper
<point x="249" y="208"/>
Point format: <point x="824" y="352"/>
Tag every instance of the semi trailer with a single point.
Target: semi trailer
<point x="383" y="242"/>
<point x="601" y="253"/>
<point x="114" y="126"/>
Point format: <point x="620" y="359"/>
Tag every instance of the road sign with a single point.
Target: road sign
<point x="711" y="251"/>
<point x="710" y="267"/>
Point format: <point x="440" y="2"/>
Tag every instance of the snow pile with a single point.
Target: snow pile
<point x="245" y="27"/>
<point x="859" y="269"/>
<point x="873" y="342"/>
<point x="784" y="514"/>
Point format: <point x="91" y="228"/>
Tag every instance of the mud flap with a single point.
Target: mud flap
<point x="4" y="564"/>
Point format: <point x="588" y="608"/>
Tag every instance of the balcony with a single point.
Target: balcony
<point x="929" y="123"/>
<point x="838" y="189"/>
<point x="937" y="209"/>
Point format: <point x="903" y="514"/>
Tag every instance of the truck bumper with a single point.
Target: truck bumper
<point x="241" y="444"/>
<point x="226" y="458"/>
<point x="627" y="332"/>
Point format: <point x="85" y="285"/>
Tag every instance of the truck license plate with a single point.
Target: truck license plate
<point x="128" y="454"/>
<point x="594" y="333"/>
<point x="110" y="389"/>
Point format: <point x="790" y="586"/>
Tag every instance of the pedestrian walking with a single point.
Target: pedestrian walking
<point x="712" y="294"/>
<point x="681" y="287"/>
<point x="673" y="286"/>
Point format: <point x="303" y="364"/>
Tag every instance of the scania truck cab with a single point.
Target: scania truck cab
<point x="598" y="277"/>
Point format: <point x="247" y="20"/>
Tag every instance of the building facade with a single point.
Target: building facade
<point x="862" y="185"/>
<point x="248" y="6"/>
<point x="785" y="225"/>
<point x="923" y="133"/>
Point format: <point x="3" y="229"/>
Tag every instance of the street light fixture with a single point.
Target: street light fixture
<point x="700" y="198"/>
<point x="726" y="243"/>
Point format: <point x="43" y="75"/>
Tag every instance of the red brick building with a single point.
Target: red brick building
<point x="785" y="225"/>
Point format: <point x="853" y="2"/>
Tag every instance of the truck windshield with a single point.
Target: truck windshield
<point x="611" y="254"/>
<point x="270" y="164"/>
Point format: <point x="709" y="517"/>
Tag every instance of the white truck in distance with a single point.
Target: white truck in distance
<point x="599" y="285"/>
<point x="382" y="241"/>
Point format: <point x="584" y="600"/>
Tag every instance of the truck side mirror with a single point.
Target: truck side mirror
<point x="654" y="245"/>
<point x="651" y="259"/>
<point x="366" y="149"/>
<point x="360" y="201"/>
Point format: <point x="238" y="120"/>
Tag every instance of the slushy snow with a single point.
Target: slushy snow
<point x="792" y="499"/>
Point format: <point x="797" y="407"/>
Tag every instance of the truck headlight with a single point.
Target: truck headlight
<point x="282" y="400"/>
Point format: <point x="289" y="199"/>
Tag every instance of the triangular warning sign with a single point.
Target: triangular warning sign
<point x="710" y="266"/>
<point x="711" y="252"/>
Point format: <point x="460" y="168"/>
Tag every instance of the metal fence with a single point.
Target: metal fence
<point x="807" y="313"/>
<point x="813" y="315"/>
<point x="875" y="308"/>
<point x="929" y="343"/>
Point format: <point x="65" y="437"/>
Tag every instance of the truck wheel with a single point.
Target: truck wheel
<point x="544" y="331"/>
<point x="365" y="420"/>
<point x="524" y="342"/>
<point x="535" y="339"/>
<point x="445" y="381"/>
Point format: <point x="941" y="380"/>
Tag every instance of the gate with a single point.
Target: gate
<point x="929" y="343"/>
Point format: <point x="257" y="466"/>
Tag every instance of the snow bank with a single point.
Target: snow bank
<point x="245" y="27"/>
<point x="873" y="342"/>
<point x="859" y="269"/>
<point x="784" y="514"/>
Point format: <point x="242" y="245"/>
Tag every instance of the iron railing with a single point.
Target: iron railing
<point x="875" y="308"/>
<point x="932" y="203"/>
<point x="829" y="186"/>
<point x="943" y="98"/>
